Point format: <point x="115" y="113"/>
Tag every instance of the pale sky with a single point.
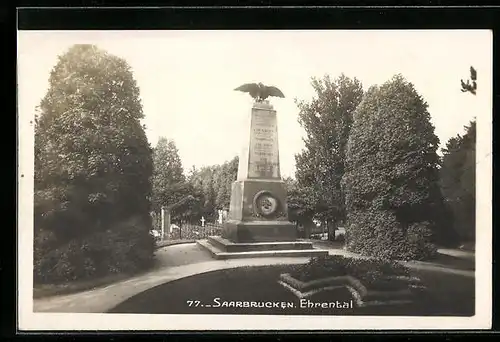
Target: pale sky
<point x="186" y="78"/>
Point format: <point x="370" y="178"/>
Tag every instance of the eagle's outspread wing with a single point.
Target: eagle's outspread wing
<point x="273" y="91"/>
<point x="249" y="88"/>
<point x="259" y="91"/>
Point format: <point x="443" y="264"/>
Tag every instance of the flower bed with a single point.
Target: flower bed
<point x="370" y="281"/>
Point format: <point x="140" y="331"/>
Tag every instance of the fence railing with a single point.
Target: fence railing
<point x="193" y="232"/>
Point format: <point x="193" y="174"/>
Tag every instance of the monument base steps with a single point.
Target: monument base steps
<point x="259" y="231"/>
<point x="221" y="248"/>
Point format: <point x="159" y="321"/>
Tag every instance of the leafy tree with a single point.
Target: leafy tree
<point x="458" y="180"/>
<point x="301" y="203"/>
<point x="188" y="208"/>
<point x="212" y="184"/>
<point x="327" y="120"/>
<point x="92" y="169"/>
<point x="391" y="181"/>
<point x="169" y="182"/>
<point x="225" y="175"/>
<point x="204" y="183"/>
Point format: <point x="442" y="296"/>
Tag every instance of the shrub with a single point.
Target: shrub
<point x="320" y="267"/>
<point x="390" y="183"/>
<point x="374" y="233"/>
<point x="373" y="270"/>
<point x="121" y="249"/>
<point x="370" y="271"/>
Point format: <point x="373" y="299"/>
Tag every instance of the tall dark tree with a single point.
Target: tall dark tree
<point x="169" y="182"/>
<point x="458" y="181"/>
<point x="327" y="121"/>
<point x="92" y="170"/>
<point x="391" y="181"/>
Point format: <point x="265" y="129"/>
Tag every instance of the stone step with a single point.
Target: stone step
<point x="229" y="246"/>
<point x="217" y="253"/>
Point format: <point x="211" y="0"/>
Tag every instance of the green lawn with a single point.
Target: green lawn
<point x="449" y="295"/>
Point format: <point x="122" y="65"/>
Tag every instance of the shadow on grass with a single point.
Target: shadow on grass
<point x="451" y="295"/>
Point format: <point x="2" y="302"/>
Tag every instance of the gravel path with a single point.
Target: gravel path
<point x="182" y="254"/>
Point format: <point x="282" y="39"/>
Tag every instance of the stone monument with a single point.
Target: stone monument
<point x="258" y="209"/>
<point x="257" y="224"/>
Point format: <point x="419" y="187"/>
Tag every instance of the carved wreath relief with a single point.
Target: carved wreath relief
<point x="266" y="205"/>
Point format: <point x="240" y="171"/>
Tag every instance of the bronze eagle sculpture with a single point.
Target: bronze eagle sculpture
<point x="259" y="91"/>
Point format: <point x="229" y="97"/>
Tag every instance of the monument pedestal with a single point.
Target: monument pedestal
<point x="258" y="222"/>
<point x="258" y="212"/>
<point x="271" y="231"/>
<point x="222" y="248"/>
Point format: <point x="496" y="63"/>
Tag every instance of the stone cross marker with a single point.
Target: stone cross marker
<point x="258" y="208"/>
<point x="202" y="221"/>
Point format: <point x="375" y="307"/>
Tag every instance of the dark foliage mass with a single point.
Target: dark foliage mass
<point x="92" y="170"/>
<point x="327" y="121"/>
<point x="371" y="272"/>
<point x="394" y="205"/>
<point x="212" y="187"/>
<point x="458" y="181"/>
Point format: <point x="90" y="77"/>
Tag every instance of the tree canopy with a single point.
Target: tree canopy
<point x="301" y="202"/>
<point x="458" y="180"/>
<point x="327" y="121"/>
<point x="212" y="184"/>
<point x="92" y="168"/>
<point x="169" y="182"/>
<point x="392" y="196"/>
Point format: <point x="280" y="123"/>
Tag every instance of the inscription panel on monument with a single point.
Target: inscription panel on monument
<point x="263" y="157"/>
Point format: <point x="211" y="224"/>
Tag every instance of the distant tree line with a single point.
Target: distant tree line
<point x="212" y="184"/>
<point x="209" y="187"/>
